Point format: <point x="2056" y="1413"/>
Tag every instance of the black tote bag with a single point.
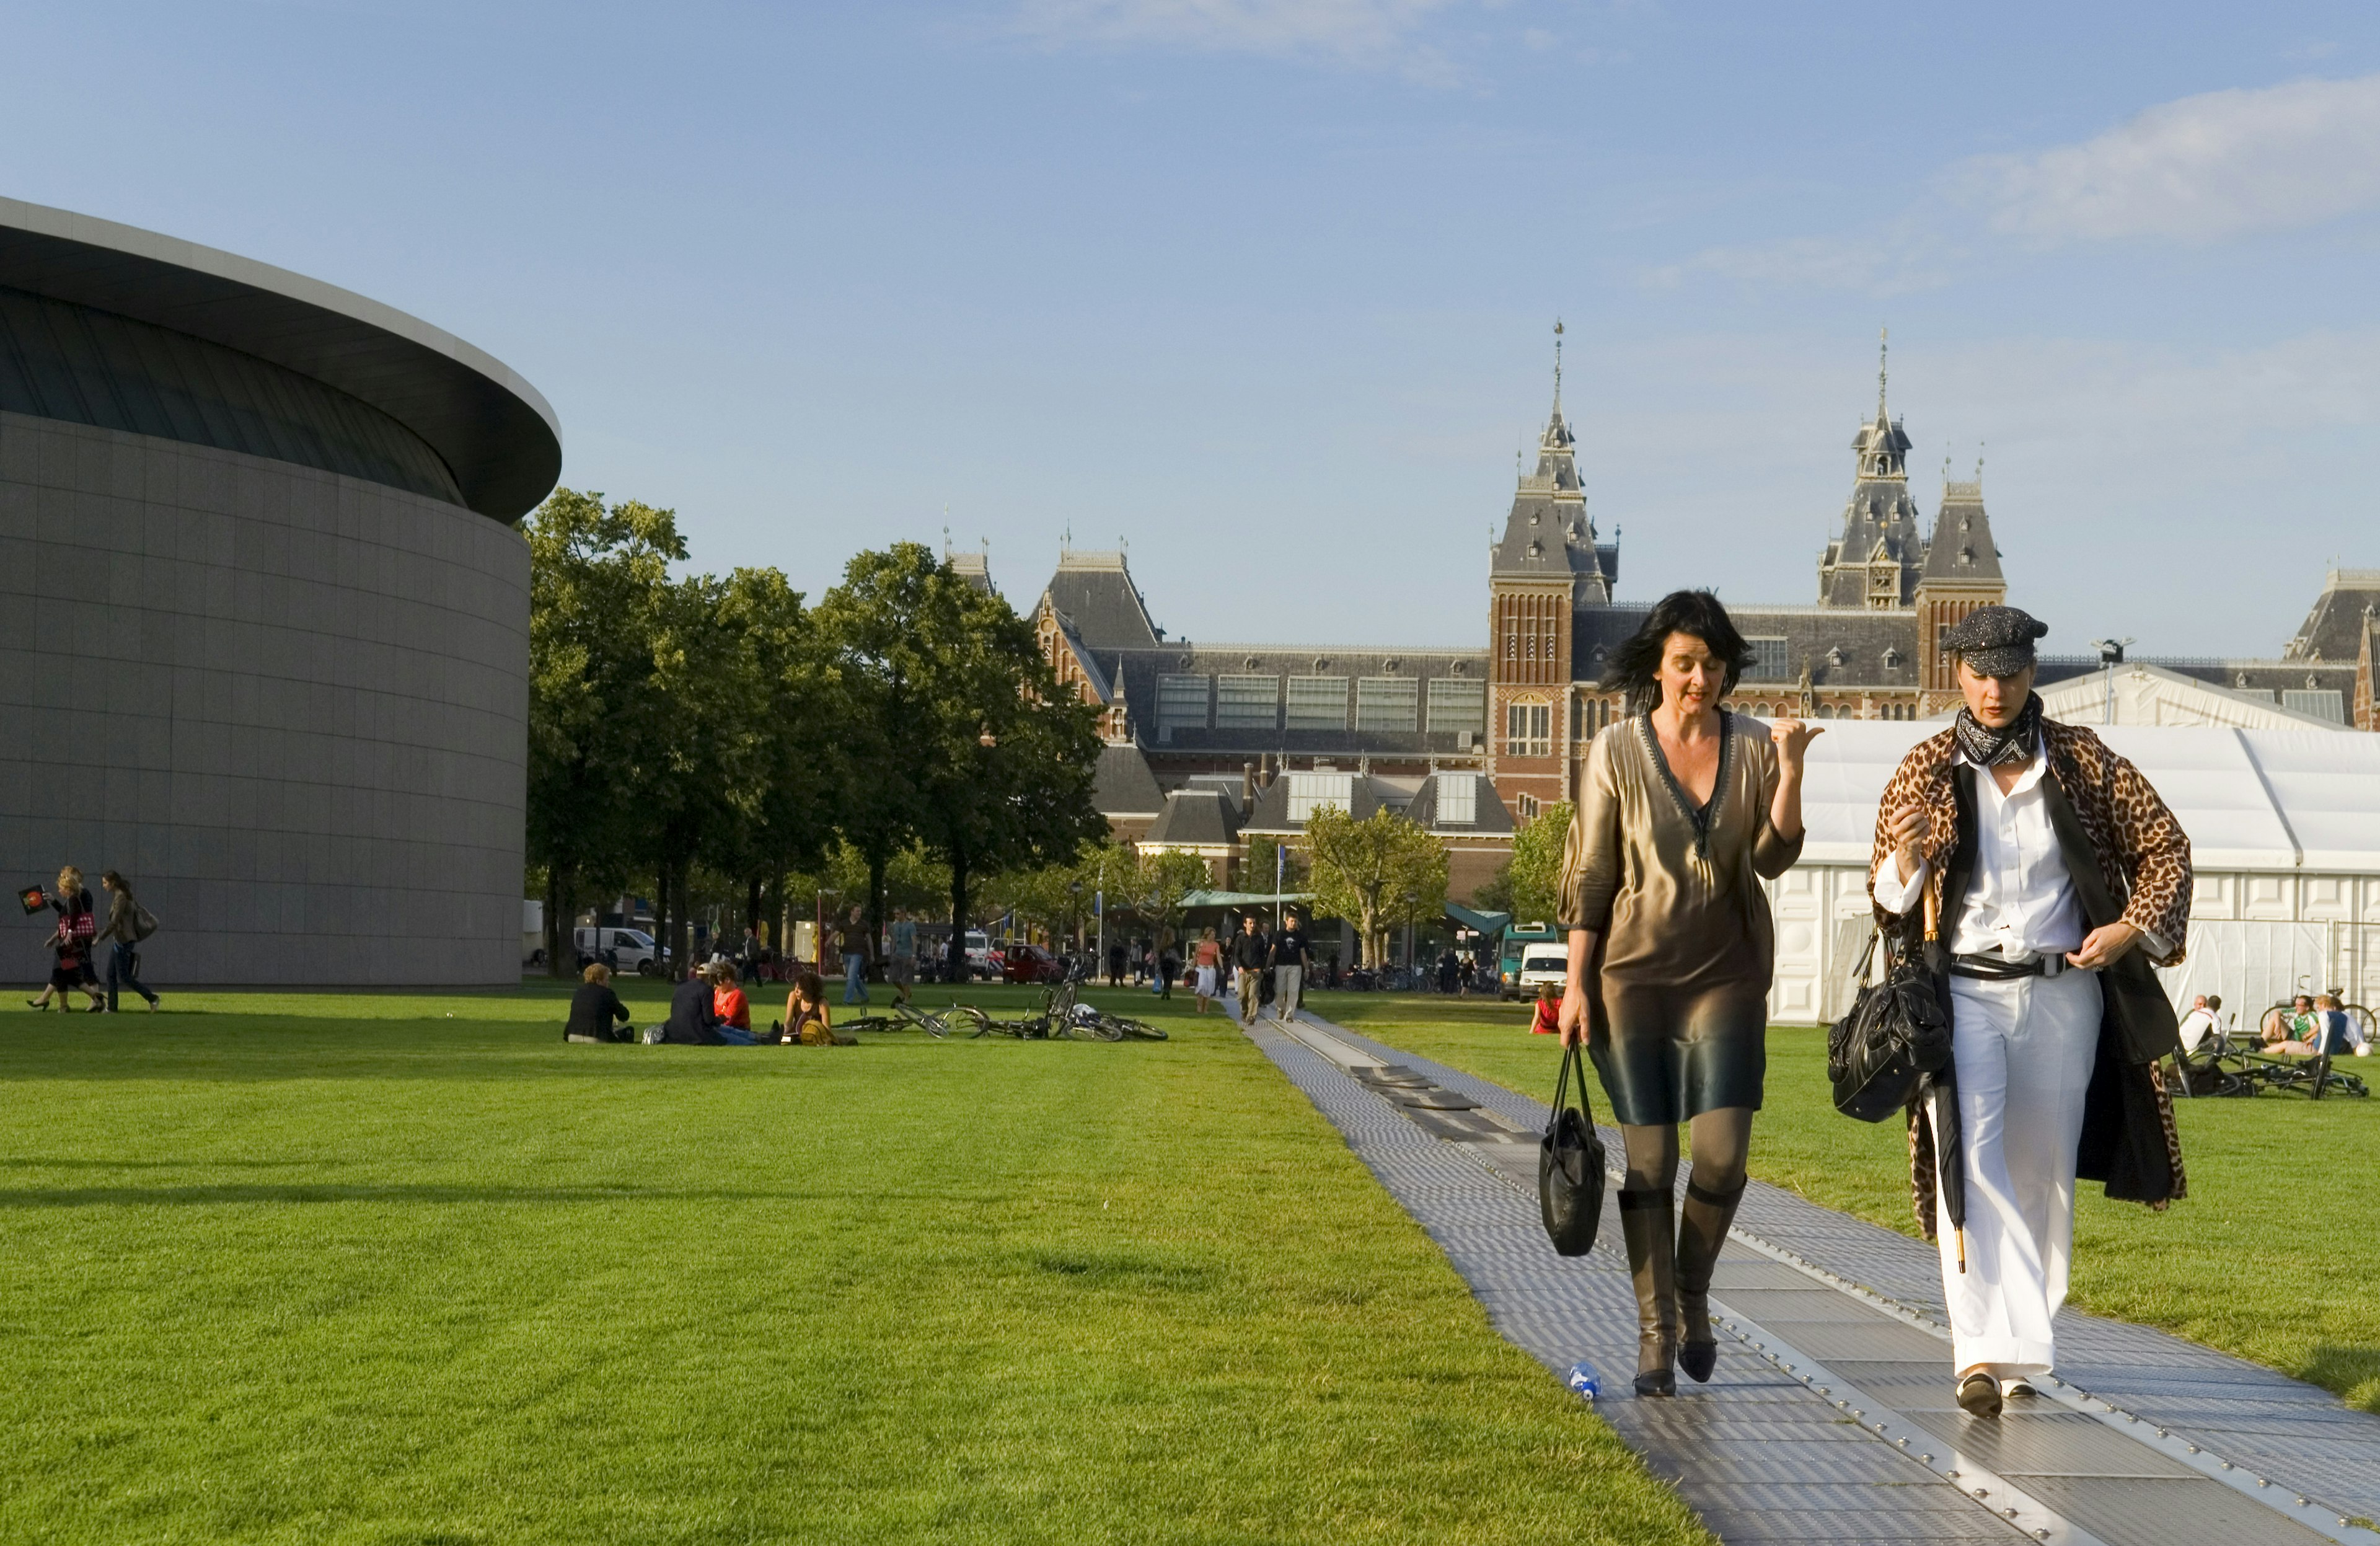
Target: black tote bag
<point x="1569" y="1166"/>
<point x="1895" y="1036"/>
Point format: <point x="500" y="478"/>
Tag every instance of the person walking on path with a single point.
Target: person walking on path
<point x="1684" y="810"/>
<point x="595" y="1008"/>
<point x="1250" y="951"/>
<point x="1167" y="968"/>
<point x="854" y="942"/>
<point x="901" y="967"/>
<point x="1115" y="964"/>
<point x="2058" y="875"/>
<point x="1206" y="961"/>
<point x="127" y="924"/>
<point x="71" y="944"/>
<point x="748" y="956"/>
<point x="1290" y="954"/>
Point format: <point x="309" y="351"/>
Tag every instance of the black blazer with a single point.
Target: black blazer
<point x="593" y="1008"/>
<point x="693" y="1020"/>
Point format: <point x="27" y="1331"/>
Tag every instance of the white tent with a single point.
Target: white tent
<point x="2285" y="836"/>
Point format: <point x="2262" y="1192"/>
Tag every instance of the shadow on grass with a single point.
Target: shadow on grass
<point x="2354" y="1372"/>
<point x="236" y="1195"/>
<point x="1123" y="1269"/>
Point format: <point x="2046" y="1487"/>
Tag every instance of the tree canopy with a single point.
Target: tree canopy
<point x="1379" y="872"/>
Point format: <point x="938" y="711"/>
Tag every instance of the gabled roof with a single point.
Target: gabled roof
<point x="1490" y="817"/>
<point x="1123" y="785"/>
<point x="1093" y="592"/>
<point x="2143" y="693"/>
<point x="1195" y="818"/>
<point x="2334" y="628"/>
<point x="1270" y="817"/>
<point x="1961" y="552"/>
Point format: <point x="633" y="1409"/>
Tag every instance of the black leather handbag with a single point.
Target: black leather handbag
<point x="1569" y="1166"/>
<point x="1895" y="1035"/>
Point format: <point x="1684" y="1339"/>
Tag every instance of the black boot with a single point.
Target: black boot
<point x="1644" y="1224"/>
<point x="1702" y="1231"/>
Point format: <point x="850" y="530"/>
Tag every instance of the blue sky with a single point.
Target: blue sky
<point x="1266" y="286"/>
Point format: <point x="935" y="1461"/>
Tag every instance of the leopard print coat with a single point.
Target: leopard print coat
<point x="2143" y="856"/>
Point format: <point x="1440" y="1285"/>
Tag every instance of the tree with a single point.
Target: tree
<point x="1368" y="869"/>
<point x="1259" y="874"/>
<point x="597" y="577"/>
<point x="1528" y="884"/>
<point x="1155" y="888"/>
<point x="961" y="736"/>
<point x="791" y="754"/>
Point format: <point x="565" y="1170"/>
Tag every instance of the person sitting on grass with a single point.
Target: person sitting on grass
<point x="1547" y="1021"/>
<point x="2335" y="1033"/>
<point x="595" y="1008"/>
<point x="727" y="998"/>
<point x="806" y="1022"/>
<point x="2289" y="1031"/>
<point x="693" y="1017"/>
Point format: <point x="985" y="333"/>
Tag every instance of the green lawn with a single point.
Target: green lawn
<point x="408" y="1269"/>
<point x="2274" y="1255"/>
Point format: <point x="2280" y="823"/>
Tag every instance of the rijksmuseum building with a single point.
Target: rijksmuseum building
<point x="1211" y="743"/>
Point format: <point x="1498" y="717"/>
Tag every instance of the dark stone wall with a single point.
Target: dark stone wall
<point x="290" y="706"/>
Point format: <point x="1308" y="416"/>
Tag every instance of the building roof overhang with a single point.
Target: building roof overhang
<point x="497" y="435"/>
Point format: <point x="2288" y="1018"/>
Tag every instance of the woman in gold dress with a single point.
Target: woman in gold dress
<point x="1684" y="809"/>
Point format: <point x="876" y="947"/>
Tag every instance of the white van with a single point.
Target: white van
<point x="621" y="949"/>
<point x="978" y="954"/>
<point x="1541" y="964"/>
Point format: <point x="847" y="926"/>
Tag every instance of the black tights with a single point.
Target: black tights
<point x="1719" y="1142"/>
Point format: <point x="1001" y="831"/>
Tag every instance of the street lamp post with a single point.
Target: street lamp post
<point x="2111" y="656"/>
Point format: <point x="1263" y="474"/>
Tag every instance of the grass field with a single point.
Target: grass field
<point x="2273" y="1256"/>
<point x="408" y="1269"/>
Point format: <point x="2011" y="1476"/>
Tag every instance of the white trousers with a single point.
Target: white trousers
<point x="2024" y="1051"/>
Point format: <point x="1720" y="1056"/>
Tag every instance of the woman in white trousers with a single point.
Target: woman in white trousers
<point x="2057" y="874"/>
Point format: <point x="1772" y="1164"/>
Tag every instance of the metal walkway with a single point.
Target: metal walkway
<point x="1830" y="1415"/>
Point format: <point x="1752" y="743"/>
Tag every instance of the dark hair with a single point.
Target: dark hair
<point x="811" y="986"/>
<point x="1634" y="665"/>
<point x="109" y="877"/>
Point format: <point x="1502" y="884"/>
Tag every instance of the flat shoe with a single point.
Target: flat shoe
<point x="1979" y="1395"/>
<point x="2015" y="1388"/>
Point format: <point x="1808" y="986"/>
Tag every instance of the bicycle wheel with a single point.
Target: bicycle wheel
<point x="1141" y="1031"/>
<point x="869" y="1022"/>
<point x="982" y="1023"/>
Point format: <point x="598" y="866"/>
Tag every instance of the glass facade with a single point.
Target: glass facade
<point x="1317" y="703"/>
<point x="1457" y="705"/>
<point x="1247" y="702"/>
<point x="72" y="363"/>
<point x="1387" y="704"/>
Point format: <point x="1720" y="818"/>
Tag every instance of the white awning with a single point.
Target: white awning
<point x="2250" y="799"/>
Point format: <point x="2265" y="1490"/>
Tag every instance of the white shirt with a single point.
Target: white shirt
<point x="2197" y="1028"/>
<point x="2021" y="901"/>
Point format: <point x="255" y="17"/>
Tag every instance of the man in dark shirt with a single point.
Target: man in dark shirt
<point x="1250" y="954"/>
<point x="1290" y="954"/>
<point x="693" y="1017"/>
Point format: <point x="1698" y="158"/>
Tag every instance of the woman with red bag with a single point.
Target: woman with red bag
<point x="73" y="939"/>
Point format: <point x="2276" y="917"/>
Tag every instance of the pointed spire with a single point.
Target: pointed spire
<point x="1883" y="358"/>
<point x="1557" y="344"/>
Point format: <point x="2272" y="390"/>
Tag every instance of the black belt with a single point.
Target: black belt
<point x="1999" y="968"/>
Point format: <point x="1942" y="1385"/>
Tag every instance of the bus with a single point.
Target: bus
<point x="1516" y="940"/>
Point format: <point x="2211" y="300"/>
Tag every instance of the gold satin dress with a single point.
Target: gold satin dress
<point x="1678" y="991"/>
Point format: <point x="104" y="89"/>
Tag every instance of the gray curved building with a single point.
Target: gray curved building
<point x="263" y="612"/>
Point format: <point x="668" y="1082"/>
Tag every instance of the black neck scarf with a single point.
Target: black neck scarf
<point x="2018" y="741"/>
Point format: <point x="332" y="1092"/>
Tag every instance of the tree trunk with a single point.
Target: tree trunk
<point x="957" y="954"/>
<point x="661" y="919"/>
<point x="556" y="925"/>
<point x="681" y="924"/>
<point x="752" y="905"/>
<point x="875" y="904"/>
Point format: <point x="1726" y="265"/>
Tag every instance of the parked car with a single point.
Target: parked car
<point x="1541" y="964"/>
<point x="621" y="949"/>
<point x="1030" y="963"/>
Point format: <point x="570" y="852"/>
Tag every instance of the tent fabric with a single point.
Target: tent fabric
<point x="2250" y="799"/>
<point x="1484" y="924"/>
